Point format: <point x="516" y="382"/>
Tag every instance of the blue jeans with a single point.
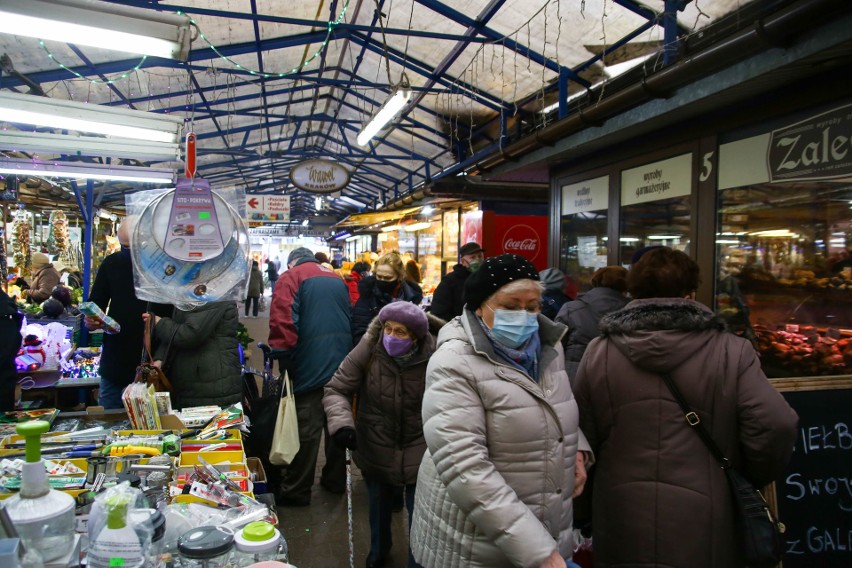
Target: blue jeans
<point x="109" y="395"/>
<point x="381" y="513"/>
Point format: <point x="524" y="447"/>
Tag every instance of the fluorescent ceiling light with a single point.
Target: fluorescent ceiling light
<point x="76" y="145"/>
<point x="99" y="24"/>
<point x="353" y="202"/>
<point x="79" y="170"/>
<point x="428" y="210"/>
<point x="318" y="203"/>
<point x="417" y="226"/>
<point x="727" y="242"/>
<point x="389" y="228"/>
<point x="775" y="233"/>
<point x="82" y="117"/>
<point x="611" y="71"/>
<point x="352" y="238"/>
<point x="305" y="223"/>
<point x="626" y="239"/>
<point x="664" y="237"/>
<point x="392" y="107"/>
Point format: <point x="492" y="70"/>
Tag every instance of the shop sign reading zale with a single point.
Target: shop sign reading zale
<point x="819" y="147"/>
<point x="319" y="176"/>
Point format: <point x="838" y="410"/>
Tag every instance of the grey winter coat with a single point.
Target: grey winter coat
<point x="200" y="355"/>
<point x="495" y="485"/>
<point x="389" y="426"/>
<point x="582" y="316"/>
<point x="660" y="498"/>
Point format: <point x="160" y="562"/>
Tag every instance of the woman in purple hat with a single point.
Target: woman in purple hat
<point x="386" y="372"/>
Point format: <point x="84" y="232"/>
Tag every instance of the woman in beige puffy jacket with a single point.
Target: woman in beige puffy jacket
<point x="496" y="485"/>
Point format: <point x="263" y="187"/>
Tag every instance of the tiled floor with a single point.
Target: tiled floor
<point x="318" y="535"/>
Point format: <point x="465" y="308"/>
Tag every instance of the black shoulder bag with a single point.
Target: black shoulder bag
<point x="758" y="532"/>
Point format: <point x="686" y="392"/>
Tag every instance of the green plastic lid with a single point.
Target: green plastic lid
<point x="258" y="531"/>
<point x="116" y="506"/>
<point x="32" y="431"/>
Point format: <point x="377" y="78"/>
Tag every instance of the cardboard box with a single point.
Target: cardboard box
<point x="259" y="476"/>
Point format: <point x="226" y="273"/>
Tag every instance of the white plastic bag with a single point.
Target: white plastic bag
<point x="285" y="440"/>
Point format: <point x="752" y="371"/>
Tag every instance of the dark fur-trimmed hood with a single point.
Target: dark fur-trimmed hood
<point x="657" y="314"/>
<point x="659" y="334"/>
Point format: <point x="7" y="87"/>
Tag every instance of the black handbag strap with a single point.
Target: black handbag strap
<point x="694" y="422"/>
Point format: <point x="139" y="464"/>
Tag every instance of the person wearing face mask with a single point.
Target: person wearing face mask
<point x="387" y="373"/>
<point x="505" y="456"/>
<point x="448" y="298"/>
<point x="387" y="284"/>
<point x="113" y="291"/>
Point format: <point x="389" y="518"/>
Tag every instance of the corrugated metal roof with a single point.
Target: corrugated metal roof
<point x="479" y="70"/>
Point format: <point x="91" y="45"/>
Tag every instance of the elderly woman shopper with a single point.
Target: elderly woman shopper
<point x="583" y="314"/>
<point x="387" y="373"/>
<point x="387" y="284"/>
<point x="496" y="485"/>
<point x="660" y="498"/>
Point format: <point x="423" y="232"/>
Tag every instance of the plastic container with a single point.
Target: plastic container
<point x="117" y="544"/>
<point x="43" y="517"/>
<point x="206" y="547"/>
<point x="150" y="521"/>
<point x="257" y="542"/>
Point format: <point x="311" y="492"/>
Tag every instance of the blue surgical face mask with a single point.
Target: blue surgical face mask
<point x="513" y="328"/>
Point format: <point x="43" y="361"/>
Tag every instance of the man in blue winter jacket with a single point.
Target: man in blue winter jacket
<point x="310" y="335"/>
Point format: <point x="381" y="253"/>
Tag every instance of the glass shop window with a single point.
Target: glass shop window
<point x="584" y="228"/>
<point x="656" y="207"/>
<point x="784" y="274"/>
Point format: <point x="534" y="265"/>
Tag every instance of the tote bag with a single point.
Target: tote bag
<point x="285" y="440"/>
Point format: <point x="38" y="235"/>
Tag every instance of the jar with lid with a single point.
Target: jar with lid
<point x="258" y="542"/>
<point x="206" y="547"/>
<point x="150" y="523"/>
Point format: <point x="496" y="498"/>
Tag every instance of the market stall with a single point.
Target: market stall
<point x="97" y="487"/>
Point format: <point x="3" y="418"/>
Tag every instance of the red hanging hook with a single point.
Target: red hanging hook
<point x="190" y="155"/>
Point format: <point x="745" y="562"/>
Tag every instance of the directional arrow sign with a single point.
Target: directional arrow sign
<point x="268" y="208"/>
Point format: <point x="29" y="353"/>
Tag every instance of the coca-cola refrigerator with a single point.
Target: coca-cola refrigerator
<point x="524" y="235"/>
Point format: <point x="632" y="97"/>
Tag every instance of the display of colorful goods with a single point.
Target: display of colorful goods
<point x="21" y="243"/>
<point x="57" y="239"/>
<point x="801" y="351"/>
<point x="147" y="495"/>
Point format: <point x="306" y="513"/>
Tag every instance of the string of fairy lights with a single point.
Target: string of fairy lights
<point x="331" y="25"/>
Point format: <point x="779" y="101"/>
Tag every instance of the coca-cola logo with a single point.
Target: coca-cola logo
<point x="522" y="240"/>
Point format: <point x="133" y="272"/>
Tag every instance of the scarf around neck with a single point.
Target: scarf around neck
<point x="524" y="358"/>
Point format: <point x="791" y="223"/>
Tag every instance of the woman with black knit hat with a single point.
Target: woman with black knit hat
<point x="505" y="456"/>
<point x="387" y="372"/>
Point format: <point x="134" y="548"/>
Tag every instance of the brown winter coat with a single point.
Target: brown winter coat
<point x="43" y="283"/>
<point x="389" y="426"/>
<point x="660" y="499"/>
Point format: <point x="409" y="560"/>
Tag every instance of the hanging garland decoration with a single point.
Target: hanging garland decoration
<point x="57" y="240"/>
<point x="61" y="65"/>
<point x="331" y="25"/>
<point x="21" y="244"/>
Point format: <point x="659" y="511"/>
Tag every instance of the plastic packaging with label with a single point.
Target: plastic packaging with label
<point x="189" y="245"/>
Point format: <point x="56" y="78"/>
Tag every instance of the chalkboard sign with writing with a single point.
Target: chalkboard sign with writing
<point x="815" y="493"/>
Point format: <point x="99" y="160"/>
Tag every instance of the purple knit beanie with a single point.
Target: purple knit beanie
<point x="407" y="314"/>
